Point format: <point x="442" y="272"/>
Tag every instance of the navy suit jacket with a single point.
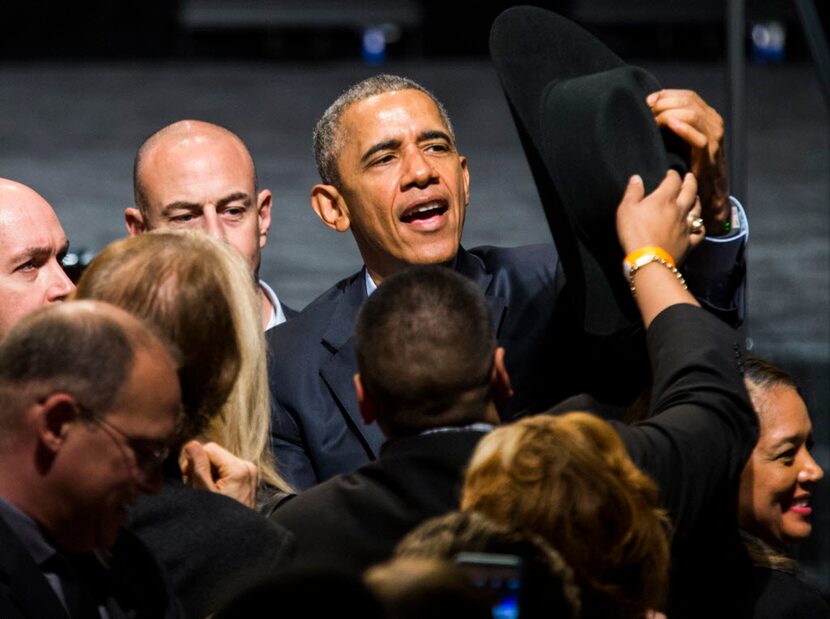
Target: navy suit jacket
<point x="316" y="427"/>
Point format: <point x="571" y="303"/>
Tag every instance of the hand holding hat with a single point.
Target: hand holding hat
<point x="585" y="127"/>
<point x="699" y="125"/>
<point x="661" y="218"/>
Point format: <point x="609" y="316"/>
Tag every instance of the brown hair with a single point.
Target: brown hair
<point x="570" y="480"/>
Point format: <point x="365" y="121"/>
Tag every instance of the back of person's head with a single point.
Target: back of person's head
<point x="548" y="588"/>
<point x="570" y="480"/>
<point x="417" y="587"/>
<point x="305" y="591"/>
<point x="83" y="349"/>
<point x="183" y="283"/>
<point x="424" y="344"/>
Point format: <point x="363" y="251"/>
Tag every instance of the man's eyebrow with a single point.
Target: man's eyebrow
<point x="30" y="253"/>
<point x="237" y="195"/>
<point x="434" y="135"/>
<point x="385" y="145"/>
<point x="181" y="204"/>
<point x="190" y="206"/>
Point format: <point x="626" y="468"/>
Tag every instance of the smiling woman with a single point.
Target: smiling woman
<point x="774" y="502"/>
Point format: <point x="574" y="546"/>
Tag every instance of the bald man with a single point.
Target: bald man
<point x="32" y="245"/>
<point x="194" y="174"/>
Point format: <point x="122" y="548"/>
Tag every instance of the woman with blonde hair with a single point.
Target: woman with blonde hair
<point x="216" y="314"/>
<point x="198" y="293"/>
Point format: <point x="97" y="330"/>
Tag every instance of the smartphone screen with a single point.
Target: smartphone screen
<point x="498" y="576"/>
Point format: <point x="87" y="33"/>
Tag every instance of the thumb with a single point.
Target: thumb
<point x="198" y="465"/>
<point x="634" y="191"/>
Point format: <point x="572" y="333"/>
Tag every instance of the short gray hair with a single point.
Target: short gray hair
<point x="84" y="348"/>
<point x="328" y="139"/>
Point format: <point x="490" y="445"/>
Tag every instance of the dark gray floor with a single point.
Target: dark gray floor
<point x="71" y="130"/>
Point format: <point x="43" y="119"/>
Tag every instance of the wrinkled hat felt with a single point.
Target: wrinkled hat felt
<point x="585" y="128"/>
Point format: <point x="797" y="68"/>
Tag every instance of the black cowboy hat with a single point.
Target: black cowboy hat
<point x="585" y="128"/>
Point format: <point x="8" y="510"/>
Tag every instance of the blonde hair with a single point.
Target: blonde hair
<point x="569" y="479"/>
<point x="199" y="292"/>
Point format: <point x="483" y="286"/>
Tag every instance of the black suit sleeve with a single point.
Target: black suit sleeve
<point x="703" y="426"/>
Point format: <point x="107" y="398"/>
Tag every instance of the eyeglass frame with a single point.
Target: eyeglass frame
<point x="146" y="460"/>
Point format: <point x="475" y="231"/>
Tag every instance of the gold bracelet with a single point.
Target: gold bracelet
<point x="643" y="261"/>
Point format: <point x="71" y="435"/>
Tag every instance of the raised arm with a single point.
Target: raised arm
<point x="703" y="427"/>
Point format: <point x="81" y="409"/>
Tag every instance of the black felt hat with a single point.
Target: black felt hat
<point x="585" y="128"/>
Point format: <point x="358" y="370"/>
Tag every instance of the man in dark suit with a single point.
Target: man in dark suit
<point x="430" y="374"/>
<point x="194" y="174"/>
<point x="89" y="400"/>
<point x="391" y="173"/>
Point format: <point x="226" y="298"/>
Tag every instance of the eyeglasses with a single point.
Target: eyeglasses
<point x="147" y="457"/>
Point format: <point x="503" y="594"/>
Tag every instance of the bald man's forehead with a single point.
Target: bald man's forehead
<point x="22" y="206"/>
<point x="187" y="155"/>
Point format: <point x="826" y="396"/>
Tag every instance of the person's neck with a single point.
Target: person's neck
<point x="378" y="275"/>
<point x="266" y="308"/>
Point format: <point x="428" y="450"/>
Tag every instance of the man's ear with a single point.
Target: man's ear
<point x="499" y="378"/>
<point x="264" y="202"/>
<point x="466" y="172"/>
<point x="364" y="402"/>
<point x="330" y="207"/>
<point x="135" y="221"/>
<point x="54" y="416"/>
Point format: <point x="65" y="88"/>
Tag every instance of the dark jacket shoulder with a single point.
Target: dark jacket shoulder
<point x="209" y="544"/>
<point x="355" y="520"/>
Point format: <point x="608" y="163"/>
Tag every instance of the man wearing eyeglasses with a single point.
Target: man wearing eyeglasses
<point x="89" y="400"/>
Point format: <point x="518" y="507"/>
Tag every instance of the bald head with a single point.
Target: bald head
<point x="194" y="174"/>
<point x="32" y="245"/>
<point x="178" y="140"/>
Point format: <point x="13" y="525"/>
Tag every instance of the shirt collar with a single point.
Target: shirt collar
<point x="277" y="315"/>
<point x="27" y="530"/>
<point x="371" y="286"/>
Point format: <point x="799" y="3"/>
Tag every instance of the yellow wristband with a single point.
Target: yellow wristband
<point x="634" y="257"/>
<point x="646" y="255"/>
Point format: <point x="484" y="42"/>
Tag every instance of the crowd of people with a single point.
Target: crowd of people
<point x="569" y="430"/>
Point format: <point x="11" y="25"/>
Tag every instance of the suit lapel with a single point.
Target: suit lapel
<point x="471" y="266"/>
<point x="338" y="371"/>
<point x="27" y="587"/>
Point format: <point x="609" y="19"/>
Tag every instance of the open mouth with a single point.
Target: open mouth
<point x="424" y="211"/>
<point x="801" y="505"/>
